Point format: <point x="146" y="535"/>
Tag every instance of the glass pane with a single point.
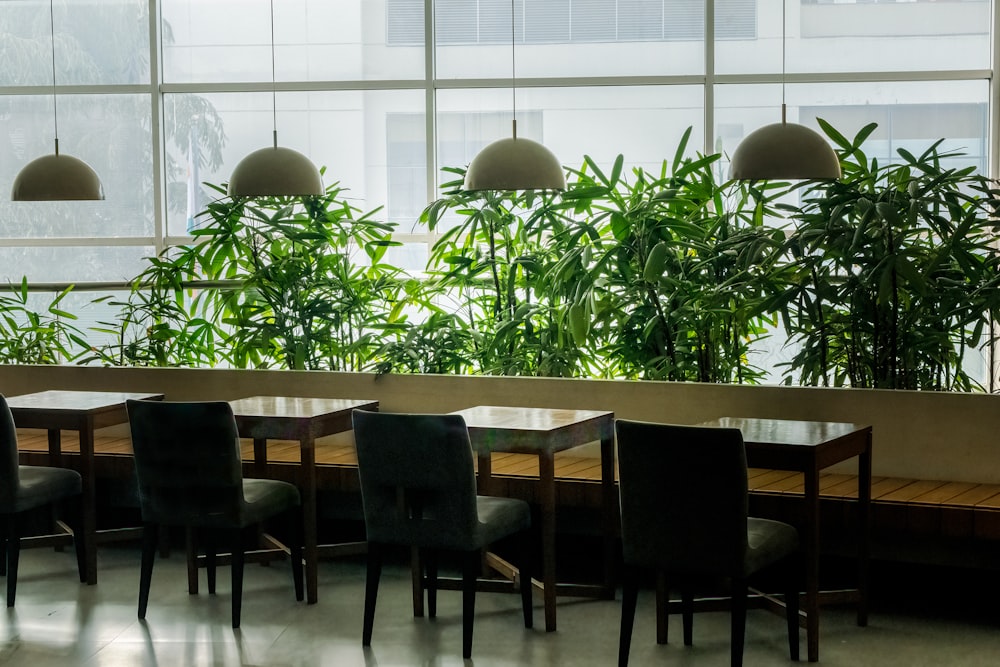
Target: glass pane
<point x="562" y="38"/>
<point x="314" y="40"/>
<point x="857" y="36"/>
<point x="72" y="264"/>
<point x="910" y="115"/>
<point x="83" y="53"/>
<point x="346" y="132"/>
<point x="110" y="133"/>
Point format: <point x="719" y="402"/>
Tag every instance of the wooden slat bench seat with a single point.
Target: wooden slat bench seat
<point x="578" y="478"/>
<point x="952" y="509"/>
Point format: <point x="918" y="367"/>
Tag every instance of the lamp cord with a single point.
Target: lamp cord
<point x="783" y="3"/>
<point x="55" y="108"/>
<point x="274" y="93"/>
<point x="513" y="73"/>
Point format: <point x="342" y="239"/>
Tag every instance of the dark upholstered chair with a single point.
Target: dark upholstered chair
<point x="418" y="489"/>
<point x="23" y="488"/>
<point x="188" y="468"/>
<point x="684" y="516"/>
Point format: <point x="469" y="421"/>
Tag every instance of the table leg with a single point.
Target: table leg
<point x="864" y="528"/>
<point x="260" y="458"/>
<point x="89" y="501"/>
<point x="55" y="448"/>
<point x="547" y="490"/>
<point x="812" y="563"/>
<point x="310" y="548"/>
<point x="485" y="472"/>
<point x="609" y="499"/>
<point x="417" y="581"/>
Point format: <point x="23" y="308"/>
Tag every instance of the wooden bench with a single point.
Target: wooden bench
<point x="915" y="506"/>
<point x="924" y="507"/>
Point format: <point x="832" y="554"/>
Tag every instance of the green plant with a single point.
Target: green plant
<point x="893" y="272"/>
<point x="670" y="271"/>
<point x="492" y="266"/>
<point x="28" y="336"/>
<point x="283" y="282"/>
<point x="157" y="324"/>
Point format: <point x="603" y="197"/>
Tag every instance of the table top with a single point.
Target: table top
<point x="805" y="446"/>
<point x="84" y="410"/>
<point x="793" y="433"/>
<point x="295" y="417"/>
<point x="76" y="401"/>
<point x="527" y="419"/>
<point x="534" y="430"/>
<point x="296" y="407"/>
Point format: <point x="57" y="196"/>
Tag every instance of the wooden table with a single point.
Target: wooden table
<point x="543" y="432"/>
<point x="304" y="419"/>
<point x="808" y="447"/>
<point x="84" y="412"/>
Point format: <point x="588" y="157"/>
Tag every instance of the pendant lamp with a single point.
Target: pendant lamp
<point x="784" y="150"/>
<point x="515" y="164"/>
<point x="56" y="177"/>
<point x="275" y="171"/>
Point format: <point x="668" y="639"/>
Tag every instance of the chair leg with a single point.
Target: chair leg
<point x="662" y="607"/>
<point x="76" y="512"/>
<point x="237" y="574"/>
<point x="211" y="564"/>
<point x="792" y="616"/>
<point x="295" y="554"/>
<point x="371" y="590"/>
<point x="417" y="580"/>
<point x="13" y="554"/>
<point x="149" y="539"/>
<point x="431" y="568"/>
<point x="3" y="548"/>
<point x="739" y="621"/>
<point x="210" y="561"/>
<point x="191" y="555"/>
<point x="470" y="573"/>
<point x="527" y="588"/>
<point x="630" y="595"/>
<point x="687" y="612"/>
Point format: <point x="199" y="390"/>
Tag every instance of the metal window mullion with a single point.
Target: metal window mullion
<point x="76" y="242"/>
<point x="156" y="128"/>
<point x="293" y="86"/>
<point x="77" y="89"/>
<point x="709" y="87"/>
<point x="994" y="128"/>
<point x="993" y="166"/>
<point x="430" y="100"/>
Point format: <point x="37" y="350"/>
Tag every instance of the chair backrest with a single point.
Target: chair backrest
<point x="187" y="461"/>
<point x="418" y="485"/>
<point x="9" y="479"/>
<point x="683" y="497"/>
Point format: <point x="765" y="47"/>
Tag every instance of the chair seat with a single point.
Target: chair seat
<point x="41" y="485"/>
<point x="499" y="517"/>
<point x="768" y="542"/>
<point x="263" y="498"/>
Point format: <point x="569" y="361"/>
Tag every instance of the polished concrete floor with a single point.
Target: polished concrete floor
<point x="59" y="622"/>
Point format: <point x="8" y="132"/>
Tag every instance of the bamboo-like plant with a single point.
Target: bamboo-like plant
<point x="30" y="336"/>
<point x="895" y="272"/>
<point x="306" y="289"/>
<point x="491" y="266"/>
<point x="676" y="278"/>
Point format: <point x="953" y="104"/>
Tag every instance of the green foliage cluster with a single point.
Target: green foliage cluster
<point x="885" y="278"/>
<point x="893" y="272"/>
